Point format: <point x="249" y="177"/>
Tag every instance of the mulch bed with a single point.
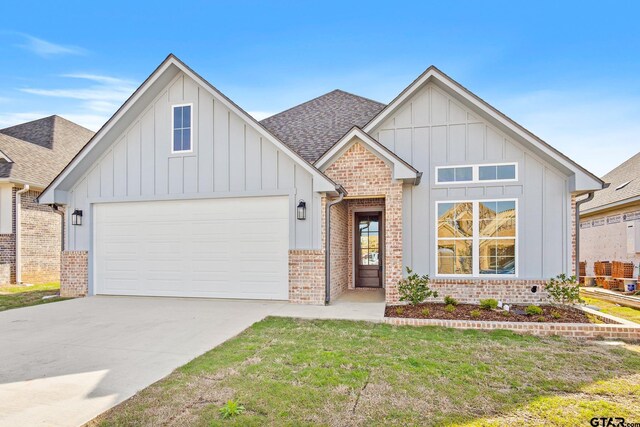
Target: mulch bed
<point x="463" y="312"/>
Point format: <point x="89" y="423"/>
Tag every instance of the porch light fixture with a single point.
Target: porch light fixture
<point x="302" y="210"/>
<point x="76" y="217"/>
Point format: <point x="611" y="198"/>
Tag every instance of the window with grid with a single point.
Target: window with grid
<point x="181" y="128"/>
<point x="476" y="238"/>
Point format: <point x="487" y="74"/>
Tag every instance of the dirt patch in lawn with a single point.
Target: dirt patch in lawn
<point x="517" y="313"/>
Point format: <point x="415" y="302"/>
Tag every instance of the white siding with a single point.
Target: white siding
<point x="229" y="159"/>
<point x="432" y="129"/>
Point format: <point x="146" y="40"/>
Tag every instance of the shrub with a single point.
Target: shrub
<point x="541" y="319"/>
<point x="488" y="304"/>
<point x="449" y="300"/>
<point x="449" y="308"/>
<point x="415" y="288"/>
<point x="556" y="315"/>
<point x="425" y="312"/>
<point x="231" y="409"/>
<point x="533" y="310"/>
<point x="475" y="313"/>
<point x="399" y="311"/>
<point x="563" y="289"/>
<point x="505" y="313"/>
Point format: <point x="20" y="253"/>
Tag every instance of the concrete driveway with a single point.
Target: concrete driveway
<point x="64" y="363"/>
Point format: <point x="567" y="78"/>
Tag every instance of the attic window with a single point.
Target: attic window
<point x="181" y="124"/>
<point x="621" y="186"/>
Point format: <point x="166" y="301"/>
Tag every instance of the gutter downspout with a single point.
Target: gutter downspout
<point x="19" y="233"/>
<point x="578" y="204"/>
<point x="327" y="244"/>
<point x="57" y="210"/>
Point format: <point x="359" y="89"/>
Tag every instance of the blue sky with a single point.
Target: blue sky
<point x="568" y="71"/>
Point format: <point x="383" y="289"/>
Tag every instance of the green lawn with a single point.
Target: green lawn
<point x="305" y="372"/>
<point x="613" y="309"/>
<point x="16" y="296"/>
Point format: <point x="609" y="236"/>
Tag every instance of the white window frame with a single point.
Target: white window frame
<point x="475" y="173"/>
<point x="475" y="266"/>
<point x="173" y="107"/>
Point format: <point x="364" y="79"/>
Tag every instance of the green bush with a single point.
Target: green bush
<point x="399" y="311"/>
<point x="449" y="308"/>
<point x="563" y="289"/>
<point x="505" y="313"/>
<point x="556" y="315"/>
<point x="475" y="313"/>
<point x="449" y="300"/>
<point x="231" y="409"/>
<point x="533" y="310"/>
<point x="488" y="304"/>
<point x="415" y="288"/>
<point x="425" y="312"/>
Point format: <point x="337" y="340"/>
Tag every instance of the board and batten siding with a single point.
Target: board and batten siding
<point x="229" y="159"/>
<point x="432" y="129"/>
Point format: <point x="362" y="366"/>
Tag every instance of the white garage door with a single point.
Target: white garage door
<point x="218" y="248"/>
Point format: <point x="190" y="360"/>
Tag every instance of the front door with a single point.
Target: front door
<point x="368" y="257"/>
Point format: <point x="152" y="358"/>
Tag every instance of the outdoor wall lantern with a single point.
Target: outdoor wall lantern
<point x="302" y="210"/>
<point x="76" y="217"/>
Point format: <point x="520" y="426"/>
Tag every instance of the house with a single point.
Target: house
<point x="31" y="155"/>
<point x="610" y="223"/>
<point x="182" y="193"/>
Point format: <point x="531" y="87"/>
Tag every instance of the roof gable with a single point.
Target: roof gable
<point x="581" y="180"/>
<point x="400" y="168"/>
<point x="134" y="106"/>
<point x="312" y="127"/>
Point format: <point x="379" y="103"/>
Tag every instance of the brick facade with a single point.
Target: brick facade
<point x="306" y="276"/>
<point x="41" y="245"/>
<point x="340" y="253"/>
<point x="41" y="241"/>
<point x="353" y="206"/>
<point x="365" y="176"/>
<point x="74" y="275"/>
<point x="471" y="291"/>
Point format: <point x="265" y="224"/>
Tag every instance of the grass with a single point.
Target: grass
<point x="614" y="309"/>
<point x="311" y="372"/>
<point x="16" y="296"/>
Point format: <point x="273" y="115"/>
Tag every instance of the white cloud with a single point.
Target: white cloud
<point x="48" y="49"/>
<point x="597" y="130"/>
<point x="99" y="98"/>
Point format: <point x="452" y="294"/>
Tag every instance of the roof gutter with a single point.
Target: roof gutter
<point x="418" y="178"/>
<point x="56" y="209"/>
<point x="327" y="243"/>
<point x="19" y="233"/>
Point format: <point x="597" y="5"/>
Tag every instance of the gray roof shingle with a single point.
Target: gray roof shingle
<point x="40" y="149"/>
<point x="627" y="173"/>
<point x="311" y="128"/>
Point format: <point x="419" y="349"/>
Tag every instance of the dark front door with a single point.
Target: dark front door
<point x="368" y="257"/>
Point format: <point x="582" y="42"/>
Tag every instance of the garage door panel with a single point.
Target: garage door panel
<point x="225" y="248"/>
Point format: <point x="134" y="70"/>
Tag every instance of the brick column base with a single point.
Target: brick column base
<point x="74" y="274"/>
<point x="306" y="276"/>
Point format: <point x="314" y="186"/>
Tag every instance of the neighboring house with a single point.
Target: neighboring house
<point x="610" y="223"/>
<point x="182" y="193"/>
<point x="31" y="155"/>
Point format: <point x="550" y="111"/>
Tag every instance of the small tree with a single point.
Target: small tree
<point x="415" y="288"/>
<point x="563" y="289"/>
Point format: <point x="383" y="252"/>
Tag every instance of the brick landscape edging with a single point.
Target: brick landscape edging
<point x="626" y="330"/>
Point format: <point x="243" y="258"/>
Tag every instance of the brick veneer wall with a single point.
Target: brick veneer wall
<point x="364" y="175"/>
<point x="339" y="249"/>
<point x="471" y="291"/>
<point x="306" y="276"/>
<point x="74" y="274"/>
<point x="41" y="235"/>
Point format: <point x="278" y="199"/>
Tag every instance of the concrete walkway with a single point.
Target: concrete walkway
<point x="64" y="363"/>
